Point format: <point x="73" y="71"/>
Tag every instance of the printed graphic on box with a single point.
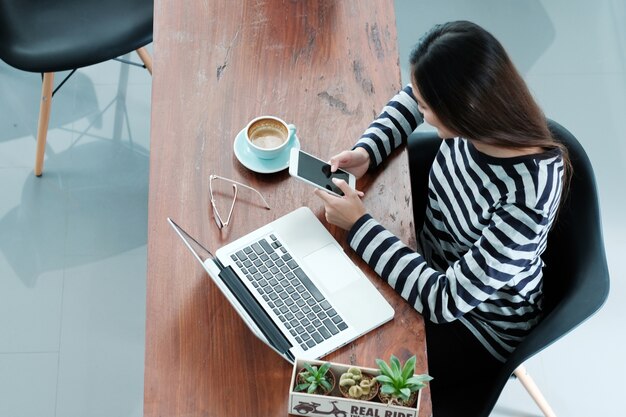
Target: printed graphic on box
<point x="339" y="407"/>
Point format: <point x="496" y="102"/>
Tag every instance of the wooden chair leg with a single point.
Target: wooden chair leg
<point x="44" y="119"/>
<point x="522" y="374"/>
<point x="146" y="58"/>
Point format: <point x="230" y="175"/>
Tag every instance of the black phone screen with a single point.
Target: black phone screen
<point x="318" y="172"/>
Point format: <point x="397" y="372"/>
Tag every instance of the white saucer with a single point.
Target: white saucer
<point x="262" y="166"/>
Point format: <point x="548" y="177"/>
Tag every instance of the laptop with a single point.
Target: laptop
<point x="294" y="287"/>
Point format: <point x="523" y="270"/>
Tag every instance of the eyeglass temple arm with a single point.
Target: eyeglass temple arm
<point x="232" y="206"/>
<point x="267" y="206"/>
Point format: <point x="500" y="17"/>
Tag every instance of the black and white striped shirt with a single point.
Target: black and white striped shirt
<point x="486" y="226"/>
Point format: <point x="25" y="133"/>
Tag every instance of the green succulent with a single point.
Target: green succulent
<point x="356" y="383"/>
<point x="351" y="377"/>
<point x="355" y="391"/>
<point x="314" y="378"/>
<point x="397" y="380"/>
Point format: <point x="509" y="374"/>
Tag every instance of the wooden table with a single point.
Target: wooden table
<point x="328" y="67"/>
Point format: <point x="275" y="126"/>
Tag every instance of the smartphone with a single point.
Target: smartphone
<point x="316" y="172"/>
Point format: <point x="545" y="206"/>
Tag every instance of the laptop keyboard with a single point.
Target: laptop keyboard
<point x="289" y="292"/>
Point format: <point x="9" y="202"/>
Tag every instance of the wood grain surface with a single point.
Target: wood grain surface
<point x="326" y="66"/>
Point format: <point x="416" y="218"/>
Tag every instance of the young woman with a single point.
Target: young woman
<point x="494" y="191"/>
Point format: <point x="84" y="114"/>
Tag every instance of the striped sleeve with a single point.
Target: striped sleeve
<point x="507" y="247"/>
<point x="398" y="119"/>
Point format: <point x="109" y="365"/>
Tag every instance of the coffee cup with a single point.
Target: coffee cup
<point x="268" y="136"/>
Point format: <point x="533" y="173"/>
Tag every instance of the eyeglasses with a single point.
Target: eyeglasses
<point x="216" y="215"/>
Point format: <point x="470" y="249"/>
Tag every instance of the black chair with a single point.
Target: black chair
<point x="51" y="36"/>
<point x="576" y="277"/>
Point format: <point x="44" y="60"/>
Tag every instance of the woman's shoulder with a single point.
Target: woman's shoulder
<point x="531" y="179"/>
<point x="498" y="155"/>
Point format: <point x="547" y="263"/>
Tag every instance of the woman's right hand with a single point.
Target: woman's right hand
<point x="356" y="161"/>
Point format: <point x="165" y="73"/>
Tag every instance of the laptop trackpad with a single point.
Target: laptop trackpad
<point x="334" y="270"/>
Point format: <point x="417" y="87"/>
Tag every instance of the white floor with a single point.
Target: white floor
<point x="73" y="243"/>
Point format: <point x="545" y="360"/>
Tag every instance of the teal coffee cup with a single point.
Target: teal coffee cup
<point x="268" y="136"/>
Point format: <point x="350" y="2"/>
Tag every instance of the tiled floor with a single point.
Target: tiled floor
<point x="73" y="243"/>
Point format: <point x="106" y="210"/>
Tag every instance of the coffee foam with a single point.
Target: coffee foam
<point x="267" y="134"/>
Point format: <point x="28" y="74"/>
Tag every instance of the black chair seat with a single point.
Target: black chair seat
<point x="41" y="36"/>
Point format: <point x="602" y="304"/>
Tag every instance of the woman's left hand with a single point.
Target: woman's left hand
<point x="343" y="211"/>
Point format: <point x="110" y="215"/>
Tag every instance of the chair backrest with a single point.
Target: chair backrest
<point x="422" y="149"/>
<point x="576" y="277"/>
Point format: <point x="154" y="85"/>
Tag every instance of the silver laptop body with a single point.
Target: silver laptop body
<point x="295" y="288"/>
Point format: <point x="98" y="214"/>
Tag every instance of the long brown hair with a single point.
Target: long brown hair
<point x="468" y="80"/>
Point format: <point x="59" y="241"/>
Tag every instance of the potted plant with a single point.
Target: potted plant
<point x="358" y="385"/>
<point x="398" y="384"/>
<point x="315" y="380"/>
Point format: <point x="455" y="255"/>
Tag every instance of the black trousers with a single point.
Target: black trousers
<point x="462" y="369"/>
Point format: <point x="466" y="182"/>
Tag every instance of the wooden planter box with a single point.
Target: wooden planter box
<point x="334" y="404"/>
